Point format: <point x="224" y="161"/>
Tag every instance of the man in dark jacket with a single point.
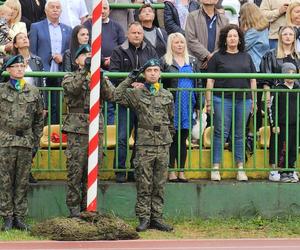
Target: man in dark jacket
<point x="132" y="54"/>
<point x="157" y="37"/>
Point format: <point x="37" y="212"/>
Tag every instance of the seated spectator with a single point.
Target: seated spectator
<point x="285" y="130"/>
<point x="255" y="27"/>
<point x="32" y="11"/>
<point x="231" y="49"/>
<point x="157" y="37"/>
<point x="293" y="19"/>
<point x="74" y="12"/>
<point x="177" y="60"/>
<point x="175" y="14"/>
<point x="80" y="35"/>
<point x="275" y="11"/>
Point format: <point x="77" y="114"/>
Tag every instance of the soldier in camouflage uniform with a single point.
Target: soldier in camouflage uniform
<point x="154" y="108"/>
<point x="76" y="125"/>
<point x="21" y="125"/>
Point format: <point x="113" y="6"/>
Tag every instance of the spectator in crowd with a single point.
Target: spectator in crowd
<point x="175" y="14"/>
<point x="33" y="63"/>
<point x="123" y="16"/>
<point x="21" y="128"/>
<point x="293" y="19"/>
<point x="177" y="60"/>
<point x="15" y="23"/>
<point x="49" y="39"/>
<point x="112" y="36"/>
<point x="231" y="49"/>
<point x="255" y="27"/>
<point x="32" y="11"/>
<point x="76" y="124"/>
<point x="272" y="62"/>
<point x="137" y="11"/>
<point x="275" y="11"/>
<point x="6" y="34"/>
<point x="157" y="37"/>
<point x="80" y="35"/>
<point x="74" y="12"/>
<point x="132" y="54"/>
<point x="202" y="31"/>
<point x="285" y="130"/>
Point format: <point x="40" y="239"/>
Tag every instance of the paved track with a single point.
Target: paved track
<point x="240" y="244"/>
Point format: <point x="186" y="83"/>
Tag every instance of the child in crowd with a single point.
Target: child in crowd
<point x="285" y="127"/>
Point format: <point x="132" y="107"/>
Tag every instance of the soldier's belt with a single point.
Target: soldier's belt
<point x="156" y="128"/>
<point x="17" y="132"/>
<point x="79" y="110"/>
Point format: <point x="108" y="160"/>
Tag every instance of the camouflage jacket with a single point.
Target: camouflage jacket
<point x="155" y="113"/>
<point x="77" y="96"/>
<point x="21" y="116"/>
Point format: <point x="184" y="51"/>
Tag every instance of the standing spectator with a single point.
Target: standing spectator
<point x="6" y="33"/>
<point x="293" y="19"/>
<point x="76" y="124"/>
<point x="202" y="31"/>
<point x="132" y="54"/>
<point x="157" y="37"/>
<point x="122" y="16"/>
<point x="15" y="23"/>
<point x="175" y="14"/>
<point x="21" y="121"/>
<point x="32" y="11"/>
<point x="231" y="49"/>
<point x="177" y="60"/>
<point x="275" y="11"/>
<point x="74" y="12"/>
<point x="287" y="143"/>
<point x="255" y="27"/>
<point x="49" y="39"/>
<point x="272" y="62"/>
<point x="80" y="35"/>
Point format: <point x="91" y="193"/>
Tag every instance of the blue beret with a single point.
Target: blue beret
<point x="84" y="48"/>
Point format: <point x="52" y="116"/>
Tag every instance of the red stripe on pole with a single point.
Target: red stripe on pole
<point x="92" y="175"/>
<point x="97" y="13"/>
<point x="95" y="79"/>
<point x="96" y="45"/>
<point x="93" y="144"/>
<point x="93" y="205"/>
<point x="94" y="111"/>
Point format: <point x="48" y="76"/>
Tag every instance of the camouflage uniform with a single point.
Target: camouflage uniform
<point x="21" y="125"/>
<point x="154" y="136"/>
<point x="76" y="125"/>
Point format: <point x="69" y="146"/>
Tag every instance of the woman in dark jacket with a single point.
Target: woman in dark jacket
<point x="178" y="60"/>
<point x="80" y="35"/>
<point x="173" y="19"/>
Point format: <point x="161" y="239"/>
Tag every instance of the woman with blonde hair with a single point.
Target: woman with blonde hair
<point x="176" y="60"/>
<point x="293" y="19"/>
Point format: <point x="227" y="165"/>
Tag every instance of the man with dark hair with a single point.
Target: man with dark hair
<point x="157" y="37"/>
<point x="132" y="54"/>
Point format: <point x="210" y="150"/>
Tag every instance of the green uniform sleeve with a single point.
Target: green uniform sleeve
<point x="38" y="121"/>
<point x="171" y="116"/>
<point x="74" y="82"/>
<point x="107" y="91"/>
<point x="125" y="95"/>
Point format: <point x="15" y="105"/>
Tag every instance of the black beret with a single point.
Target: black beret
<point x="84" y="48"/>
<point x="151" y="63"/>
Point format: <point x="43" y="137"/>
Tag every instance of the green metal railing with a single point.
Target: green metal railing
<point x="199" y="148"/>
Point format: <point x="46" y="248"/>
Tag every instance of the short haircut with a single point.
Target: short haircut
<point x="136" y="23"/>
<point x="144" y="6"/>
<point x="51" y="1"/>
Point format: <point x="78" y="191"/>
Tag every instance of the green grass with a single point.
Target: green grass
<point x="206" y="229"/>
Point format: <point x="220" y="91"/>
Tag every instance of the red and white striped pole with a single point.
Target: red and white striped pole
<point x="94" y="106"/>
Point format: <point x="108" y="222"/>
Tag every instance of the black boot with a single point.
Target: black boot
<point x="143" y="226"/>
<point x="20" y="224"/>
<point x="74" y="212"/>
<point x="8" y="223"/>
<point x="32" y="179"/>
<point x="159" y="225"/>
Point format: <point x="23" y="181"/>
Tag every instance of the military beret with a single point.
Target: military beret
<point x="12" y="60"/>
<point x="84" y="48"/>
<point x="151" y="63"/>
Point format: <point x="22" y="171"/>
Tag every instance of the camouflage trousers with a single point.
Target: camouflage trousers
<point x="77" y="167"/>
<point x="151" y="166"/>
<point x="15" y="165"/>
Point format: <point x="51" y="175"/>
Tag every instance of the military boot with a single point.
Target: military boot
<point x="74" y="212"/>
<point x="143" y="226"/>
<point x="159" y="225"/>
<point x="20" y="224"/>
<point x="8" y="223"/>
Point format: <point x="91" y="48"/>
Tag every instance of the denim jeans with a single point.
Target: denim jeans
<point x="120" y="163"/>
<point x="238" y="129"/>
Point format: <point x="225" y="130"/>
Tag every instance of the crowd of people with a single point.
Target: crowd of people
<point x="188" y="36"/>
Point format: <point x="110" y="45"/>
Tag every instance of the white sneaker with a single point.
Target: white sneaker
<point x="215" y="176"/>
<point x="295" y="176"/>
<point x="274" y="176"/>
<point x="241" y="176"/>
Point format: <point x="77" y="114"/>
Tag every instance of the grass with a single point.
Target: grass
<point x="206" y="229"/>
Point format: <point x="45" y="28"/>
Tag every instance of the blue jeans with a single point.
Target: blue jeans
<point x="122" y="136"/>
<point x="238" y="129"/>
